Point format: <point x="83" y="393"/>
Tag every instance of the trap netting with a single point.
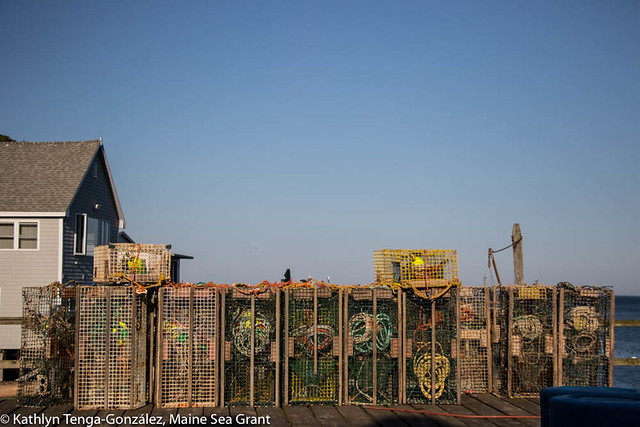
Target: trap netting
<point x="498" y="313"/>
<point x="187" y="347"/>
<point x="121" y="262"/>
<point x="373" y="352"/>
<point x="416" y="267"/>
<point x="46" y="359"/>
<point x="430" y="348"/>
<point x="585" y="322"/>
<point x="313" y="332"/>
<point x="531" y="340"/>
<point x="251" y="346"/>
<point x="475" y="350"/>
<point x="111" y="348"/>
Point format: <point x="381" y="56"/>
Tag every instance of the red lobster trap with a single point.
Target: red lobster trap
<point x="187" y="347"/>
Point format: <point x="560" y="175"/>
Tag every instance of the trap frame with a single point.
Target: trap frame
<point x="111" y="348"/>
<point x="372" y="320"/>
<point x="531" y="343"/>
<point x="47" y="341"/>
<point x="430" y="372"/>
<point x="313" y="343"/>
<point x="187" y="350"/>
<point x="475" y="341"/>
<point x="418" y="268"/>
<point x="125" y="262"/>
<point x="251" y="323"/>
<point x="585" y="338"/>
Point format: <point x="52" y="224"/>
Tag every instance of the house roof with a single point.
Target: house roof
<point x="44" y="177"/>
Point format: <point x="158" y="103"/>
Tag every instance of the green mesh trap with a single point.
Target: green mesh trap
<point x="111" y="348"/>
<point x="313" y="341"/>
<point x="373" y="352"/>
<point x="430" y="349"/>
<point x="47" y="340"/>
<point x="187" y="347"/>
<point x="251" y="346"/>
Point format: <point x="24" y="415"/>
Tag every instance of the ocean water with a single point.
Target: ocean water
<point x="627" y="342"/>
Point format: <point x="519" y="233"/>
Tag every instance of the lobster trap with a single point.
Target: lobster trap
<point x="47" y="340"/>
<point x="585" y="319"/>
<point x="475" y="344"/>
<point x="251" y="324"/>
<point x="373" y="349"/>
<point x="531" y="340"/>
<point x="419" y="268"/>
<point x="121" y="262"/>
<point x="430" y="368"/>
<point x="313" y="343"/>
<point x="187" y="359"/>
<point x="111" y="339"/>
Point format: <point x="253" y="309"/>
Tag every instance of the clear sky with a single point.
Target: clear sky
<point x="261" y="135"/>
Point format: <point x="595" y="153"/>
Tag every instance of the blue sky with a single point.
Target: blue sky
<point x="258" y="136"/>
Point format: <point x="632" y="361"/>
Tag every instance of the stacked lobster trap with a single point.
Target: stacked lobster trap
<point x="372" y="371"/>
<point x="47" y="341"/>
<point x="313" y="345"/>
<point x="122" y="262"/>
<point x="111" y="343"/>
<point x="430" y="348"/>
<point x="417" y="268"/>
<point x="251" y="324"/>
<point x="585" y="316"/>
<point x="187" y="347"/>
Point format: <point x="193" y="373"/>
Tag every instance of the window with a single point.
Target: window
<point x="19" y="235"/>
<point x="90" y="232"/>
<point x="28" y="238"/>
<point x="6" y="235"/>
<point x="81" y="220"/>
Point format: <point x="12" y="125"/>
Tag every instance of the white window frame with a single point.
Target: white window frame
<point x="16" y="234"/>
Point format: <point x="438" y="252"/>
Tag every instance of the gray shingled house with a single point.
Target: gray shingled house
<point x="57" y="203"/>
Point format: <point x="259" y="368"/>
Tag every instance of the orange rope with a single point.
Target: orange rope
<point x="443" y="414"/>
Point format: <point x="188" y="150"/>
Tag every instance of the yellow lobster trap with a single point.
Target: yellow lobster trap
<point x="417" y="268"/>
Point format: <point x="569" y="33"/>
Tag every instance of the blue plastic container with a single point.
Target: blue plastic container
<point x="595" y="411"/>
<point x="550" y="392"/>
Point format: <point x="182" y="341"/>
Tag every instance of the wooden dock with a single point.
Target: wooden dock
<point x="313" y="415"/>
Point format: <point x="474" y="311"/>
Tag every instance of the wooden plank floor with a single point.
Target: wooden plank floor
<point x="312" y="415"/>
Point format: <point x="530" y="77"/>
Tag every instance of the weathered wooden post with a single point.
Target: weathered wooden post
<point x="518" y="268"/>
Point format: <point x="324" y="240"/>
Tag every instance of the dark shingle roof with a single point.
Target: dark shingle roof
<point x="42" y="176"/>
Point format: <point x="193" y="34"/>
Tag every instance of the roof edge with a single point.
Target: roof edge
<point x="7" y="214"/>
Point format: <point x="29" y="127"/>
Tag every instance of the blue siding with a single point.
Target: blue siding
<point x="92" y="191"/>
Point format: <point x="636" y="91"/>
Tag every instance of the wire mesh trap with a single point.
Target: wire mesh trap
<point x="532" y="329"/>
<point x="187" y="347"/>
<point x="111" y="348"/>
<point x="373" y="352"/>
<point x="585" y="320"/>
<point x="121" y="262"/>
<point x="47" y="340"/>
<point x="313" y="334"/>
<point x="418" y="268"/>
<point x="251" y="346"/>
<point x="475" y="348"/>
<point x="430" y="337"/>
